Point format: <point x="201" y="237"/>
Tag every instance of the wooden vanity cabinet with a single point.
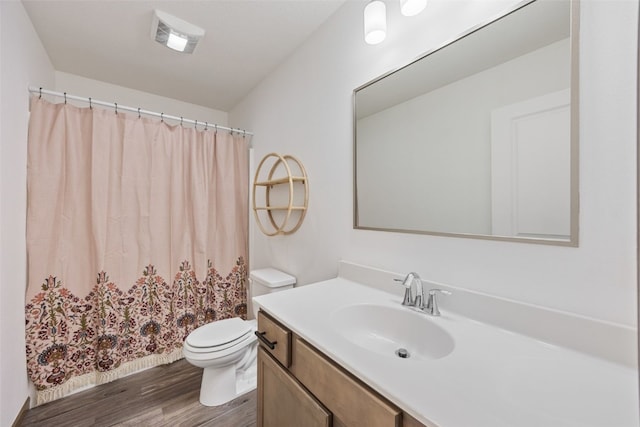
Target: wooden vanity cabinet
<point x="300" y="386"/>
<point x="274" y="338"/>
<point x="282" y="401"/>
<point x="349" y="400"/>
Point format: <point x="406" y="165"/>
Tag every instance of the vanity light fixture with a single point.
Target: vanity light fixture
<point x="375" y="22"/>
<point x="175" y="33"/>
<point x="412" y="7"/>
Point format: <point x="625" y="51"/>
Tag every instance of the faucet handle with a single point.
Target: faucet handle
<point x="406" y="282"/>
<point x="432" y="303"/>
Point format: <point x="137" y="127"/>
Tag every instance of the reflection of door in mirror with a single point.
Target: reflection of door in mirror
<point x="528" y="138"/>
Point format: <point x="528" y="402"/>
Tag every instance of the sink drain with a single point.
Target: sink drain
<point x="402" y="353"/>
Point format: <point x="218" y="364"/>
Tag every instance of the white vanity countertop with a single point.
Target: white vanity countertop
<point x="492" y="378"/>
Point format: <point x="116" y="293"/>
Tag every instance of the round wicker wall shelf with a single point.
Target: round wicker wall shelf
<point x="279" y="207"/>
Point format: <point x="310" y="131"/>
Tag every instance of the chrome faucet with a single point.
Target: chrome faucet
<point x="414" y="295"/>
<point x="413" y="298"/>
<point x="432" y="303"/>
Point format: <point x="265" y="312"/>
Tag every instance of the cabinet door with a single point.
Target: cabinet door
<point x="277" y="336"/>
<point x="282" y="401"/>
<point x="351" y="402"/>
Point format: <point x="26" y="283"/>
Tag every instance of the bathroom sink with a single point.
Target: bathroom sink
<point x="394" y="332"/>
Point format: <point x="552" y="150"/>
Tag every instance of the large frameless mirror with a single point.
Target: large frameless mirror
<point x="477" y="138"/>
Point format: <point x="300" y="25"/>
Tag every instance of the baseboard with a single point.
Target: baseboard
<point x="21" y="414"/>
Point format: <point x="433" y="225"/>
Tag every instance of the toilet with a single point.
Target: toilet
<point x="227" y="349"/>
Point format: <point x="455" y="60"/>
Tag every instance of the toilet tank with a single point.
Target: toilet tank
<point x="267" y="280"/>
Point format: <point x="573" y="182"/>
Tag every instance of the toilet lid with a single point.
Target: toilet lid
<point x="221" y="333"/>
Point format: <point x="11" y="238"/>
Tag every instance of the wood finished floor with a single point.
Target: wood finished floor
<point x="162" y="396"/>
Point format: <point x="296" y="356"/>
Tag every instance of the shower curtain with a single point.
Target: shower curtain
<point x="137" y="233"/>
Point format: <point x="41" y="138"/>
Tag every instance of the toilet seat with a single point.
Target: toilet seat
<point x="219" y="336"/>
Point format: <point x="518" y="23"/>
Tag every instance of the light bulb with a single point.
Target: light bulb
<point x="412" y="7"/>
<point x="375" y="22"/>
<point x="177" y="42"/>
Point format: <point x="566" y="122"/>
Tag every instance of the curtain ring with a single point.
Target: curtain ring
<point x="90" y="106"/>
<point x="206" y="125"/>
<point x="40" y="97"/>
<point x="138" y="112"/>
<point x="244" y="133"/>
<point x="216" y="130"/>
<point x="116" y="104"/>
<point x="65" y="97"/>
<point x="180" y="121"/>
<point x="196" y="125"/>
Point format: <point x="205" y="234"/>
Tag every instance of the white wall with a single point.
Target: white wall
<point x="23" y="62"/>
<point x="304" y="109"/>
<point x="84" y="87"/>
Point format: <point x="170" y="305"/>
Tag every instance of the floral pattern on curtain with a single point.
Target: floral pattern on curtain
<point x="69" y="336"/>
<point x="157" y="257"/>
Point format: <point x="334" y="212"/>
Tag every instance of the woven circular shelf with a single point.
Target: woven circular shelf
<point x="294" y="182"/>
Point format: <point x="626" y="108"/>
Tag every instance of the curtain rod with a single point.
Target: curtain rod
<point x="140" y="111"/>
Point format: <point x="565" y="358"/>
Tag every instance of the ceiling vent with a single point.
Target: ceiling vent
<point x="175" y="33"/>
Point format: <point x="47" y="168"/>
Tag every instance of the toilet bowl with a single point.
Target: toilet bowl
<point x="227" y="349"/>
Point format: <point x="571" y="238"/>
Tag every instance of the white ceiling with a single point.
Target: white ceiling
<point x="109" y="40"/>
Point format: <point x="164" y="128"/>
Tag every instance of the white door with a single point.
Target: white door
<point x="531" y="168"/>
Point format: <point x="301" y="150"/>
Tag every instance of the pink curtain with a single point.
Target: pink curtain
<point x="136" y="235"/>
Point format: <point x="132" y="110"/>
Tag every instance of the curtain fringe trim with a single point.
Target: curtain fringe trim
<point x="96" y="378"/>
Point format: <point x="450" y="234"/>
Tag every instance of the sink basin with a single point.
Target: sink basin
<point x="385" y="330"/>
